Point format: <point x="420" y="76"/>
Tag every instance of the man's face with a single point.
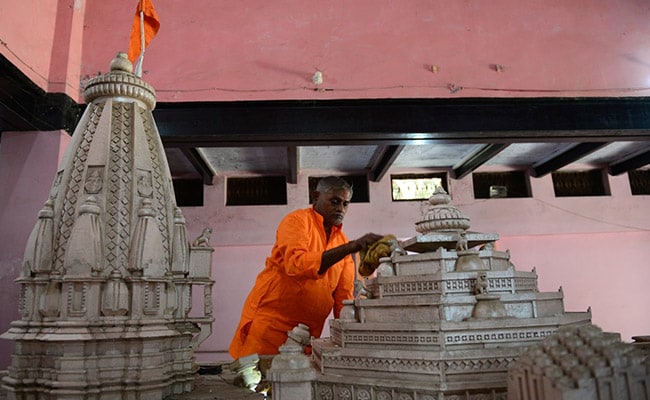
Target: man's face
<point x="332" y="205"/>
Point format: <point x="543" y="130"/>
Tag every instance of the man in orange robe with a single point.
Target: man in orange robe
<point x="310" y="272"/>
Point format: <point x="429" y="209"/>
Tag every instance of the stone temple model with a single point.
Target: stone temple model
<point x="441" y="320"/>
<point x="108" y="273"/>
<point x="581" y="363"/>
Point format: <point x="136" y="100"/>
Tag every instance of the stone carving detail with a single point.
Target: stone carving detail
<point x="171" y="296"/>
<point x="144" y="183"/>
<point x="54" y="190"/>
<point x="23" y="307"/>
<point x="412" y="287"/>
<point x="204" y="238"/>
<point x="85" y="254"/>
<point x="499" y="336"/>
<point x="77" y="298"/>
<point x="328" y="391"/>
<point x="481" y="285"/>
<point x="73" y="186"/>
<point x="94" y="180"/>
<point x="152" y="297"/>
<point x="461" y="243"/>
<point x="161" y="181"/>
<point x="379" y="338"/>
<point x="146" y="256"/>
<point x="49" y="305"/>
<point x="344" y="394"/>
<point x="524" y="284"/>
<point x="38" y="253"/>
<point x="377" y="364"/>
<point x="118" y="212"/>
<point x="459" y="285"/>
<point x="363" y="394"/>
<point x="115" y="295"/>
<point x="440" y="216"/>
<point x="180" y="250"/>
<point x="325" y="392"/>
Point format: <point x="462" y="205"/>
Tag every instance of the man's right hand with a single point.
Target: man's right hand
<point x="331" y="256"/>
<point x="366" y="240"/>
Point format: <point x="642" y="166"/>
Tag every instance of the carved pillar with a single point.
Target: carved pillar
<point x="291" y="374"/>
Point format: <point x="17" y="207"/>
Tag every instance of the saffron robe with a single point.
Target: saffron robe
<point x="289" y="290"/>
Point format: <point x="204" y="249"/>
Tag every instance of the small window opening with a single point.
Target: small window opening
<point x="189" y="192"/>
<point x="409" y="187"/>
<point x="579" y="183"/>
<point x="639" y="181"/>
<point x="491" y="185"/>
<point x="256" y="191"/>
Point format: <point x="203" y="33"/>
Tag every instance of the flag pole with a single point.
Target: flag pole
<point x="138" y="68"/>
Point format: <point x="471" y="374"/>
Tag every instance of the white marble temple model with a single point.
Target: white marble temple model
<point x="581" y="363"/>
<point x="443" y="322"/>
<point x="106" y="286"/>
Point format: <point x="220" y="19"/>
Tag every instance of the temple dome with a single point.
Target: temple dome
<point x="441" y="216"/>
<point x="120" y="83"/>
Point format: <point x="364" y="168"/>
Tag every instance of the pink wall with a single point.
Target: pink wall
<point x="44" y="40"/>
<point x="228" y="50"/>
<point x="28" y="162"/>
<point x="27" y="34"/>
<point x="210" y="50"/>
<point x="604" y="271"/>
<point x="65" y="62"/>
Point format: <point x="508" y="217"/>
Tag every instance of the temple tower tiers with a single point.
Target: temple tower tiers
<point x="444" y="317"/>
<point x="108" y="272"/>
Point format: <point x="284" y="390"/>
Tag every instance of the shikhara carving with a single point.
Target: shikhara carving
<point x="109" y="257"/>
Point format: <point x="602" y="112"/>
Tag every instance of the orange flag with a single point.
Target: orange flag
<point x="151" y="26"/>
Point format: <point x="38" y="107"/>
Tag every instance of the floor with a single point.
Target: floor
<point x="213" y="383"/>
<point x="216" y="383"/>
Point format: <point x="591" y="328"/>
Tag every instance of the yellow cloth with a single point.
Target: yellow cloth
<point x="370" y="257"/>
<point x="289" y="289"/>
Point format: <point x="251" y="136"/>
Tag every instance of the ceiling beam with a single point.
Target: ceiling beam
<point x="403" y="121"/>
<point x="293" y="157"/>
<point x="633" y="162"/>
<point x="476" y="159"/>
<point x="24" y="107"/>
<point x="381" y="161"/>
<point x="569" y="155"/>
<point x="198" y="162"/>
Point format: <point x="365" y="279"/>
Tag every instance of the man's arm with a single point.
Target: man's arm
<point x="332" y="256"/>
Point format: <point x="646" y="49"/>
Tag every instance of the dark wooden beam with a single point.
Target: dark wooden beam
<point x="636" y="161"/>
<point x="24" y="106"/>
<point x="293" y="157"/>
<point x="201" y="166"/>
<point x="404" y="121"/>
<point x="476" y="159"/>
<point x="571" y="154"/>
<point x="381" y="161"/>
